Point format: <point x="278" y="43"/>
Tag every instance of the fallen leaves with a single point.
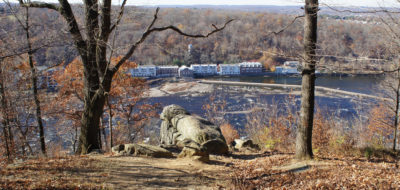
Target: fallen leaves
<point x="332" y="174"/>
<point x="74" y="172"/>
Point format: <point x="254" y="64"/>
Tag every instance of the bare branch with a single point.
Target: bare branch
<point x="287" y="26"/>
<point x="66" y="11"/>
<point x="121" y="13"/>
<point x="150" y="29"/>
<point x="39" y="5"/>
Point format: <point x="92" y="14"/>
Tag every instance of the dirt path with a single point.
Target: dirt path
<point x="159" y="173"/>
<point x="267" y="170"/>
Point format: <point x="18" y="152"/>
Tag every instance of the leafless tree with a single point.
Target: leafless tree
<point x="304" y="130"/>
<point x="25" y="24"/>
<point x="92" y="49"/>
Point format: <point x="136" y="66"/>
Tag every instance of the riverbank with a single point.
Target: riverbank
<point x="241" y="98"/>
<point x="199" y="87"/>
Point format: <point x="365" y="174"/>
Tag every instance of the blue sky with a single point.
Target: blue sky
<point x="369" y="3"/>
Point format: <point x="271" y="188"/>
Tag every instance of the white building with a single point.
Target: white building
<point x="167" y="71"/>
<point x="250" y="68"/>
<point x="229" y="69"/>
<point x="205" y="69"/>
<point x="291" y="64"/>
<point x="185" y="72"/>
<point x="289" y="67"/>
<point x="144" y="71"/>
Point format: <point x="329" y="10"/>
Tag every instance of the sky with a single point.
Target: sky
<point x="368" y="3"/>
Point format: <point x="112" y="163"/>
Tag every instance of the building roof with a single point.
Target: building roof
<point x="204" y="65"/>
<point x="146" y="66"/>
<point x="250" y="64"/>
<point x="168" y="67"/>
<point x="184" y="67"/>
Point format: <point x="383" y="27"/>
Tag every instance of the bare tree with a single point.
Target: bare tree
<point x="304" y="130"/>
<point x="92" y="49"/>
<point x="34" y="78"/>
<point x="7" y="132"/>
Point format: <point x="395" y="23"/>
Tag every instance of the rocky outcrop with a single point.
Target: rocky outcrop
<point x="180" y="128"/>
<point x="141" y="150"/>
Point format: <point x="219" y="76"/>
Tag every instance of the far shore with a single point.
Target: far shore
<point x="199" y="87"/>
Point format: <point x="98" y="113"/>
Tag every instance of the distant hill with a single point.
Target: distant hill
<point x="292" y="10"/>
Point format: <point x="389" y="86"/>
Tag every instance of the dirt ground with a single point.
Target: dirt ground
<point x="161" y="173"/>
<point x="267" y="170"/>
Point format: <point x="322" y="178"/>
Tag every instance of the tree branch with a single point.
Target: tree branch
<point x="150" y="29"/>
<point x="287" y="26"/>
<point x="66" y="11"/>
<point x="39" y="5"/>
<point x="121" y="13"/>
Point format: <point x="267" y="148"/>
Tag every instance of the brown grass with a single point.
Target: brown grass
<point x="322" y="173"/>
<point x="72" y="172"/>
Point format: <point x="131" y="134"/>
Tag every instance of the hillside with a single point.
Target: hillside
<point x="343" y="36"/>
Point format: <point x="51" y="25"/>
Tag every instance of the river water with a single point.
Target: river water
<point x="341" y="107"/>
<point x="367" y="84"/>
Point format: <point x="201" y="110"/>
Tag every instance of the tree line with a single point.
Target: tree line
<point x="345" y="43"/>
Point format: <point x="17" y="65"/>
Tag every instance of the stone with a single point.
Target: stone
<point x="141" y="150"/>
<point x="240" y="144"/>
<point x="194" y="154"/>
<point x="152" y="151"/>
<point x="214" y="146"/>
<point x="118" y="148"/>
<point x="129" y="149"/>
<point x="182" y="129"/>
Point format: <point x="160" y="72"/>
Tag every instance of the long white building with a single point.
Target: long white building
<point x="144" y="71"/>
<point x="250" y="68"/>
<point x="229" y="69"/>
<point x="167" y="71"/>
<point x="205" y="69"/>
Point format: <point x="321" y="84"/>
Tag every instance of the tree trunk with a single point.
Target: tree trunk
<point x="6" y="143"/>
<point x="304" y="130"/>
<point x="89" y="138"/>
<point x="103" y="130"/>
<point x="75" y="139"/>
<point x="396" y="117"/>
<point x="34" y="86"/>
<point x="5" y="122"/>
<point x="110" y="122"/>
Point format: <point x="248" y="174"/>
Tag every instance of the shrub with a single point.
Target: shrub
<point x="270" y="127"/>
<point x="229" y="132"/>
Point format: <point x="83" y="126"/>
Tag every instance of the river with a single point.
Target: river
<point x="367" y="84"/>
<point x="238" y="101"/>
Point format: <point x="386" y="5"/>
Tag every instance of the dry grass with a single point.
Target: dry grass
<point x="268" y="170"/>
<point x="322" y="173"/>
<point x="72" y="172"/>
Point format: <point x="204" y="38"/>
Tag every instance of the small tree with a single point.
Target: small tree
<point x="390" y="87"/>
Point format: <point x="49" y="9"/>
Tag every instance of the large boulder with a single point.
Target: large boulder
<point x="141" y="150"/>
<point x="182" y="129"/>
